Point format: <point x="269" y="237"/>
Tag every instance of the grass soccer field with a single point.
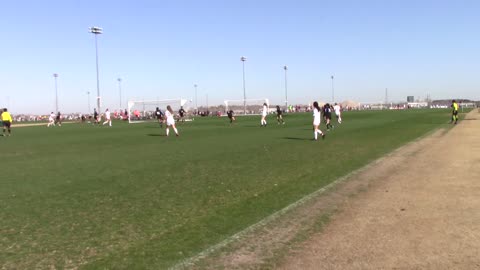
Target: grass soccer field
<point x="127" y="197"/>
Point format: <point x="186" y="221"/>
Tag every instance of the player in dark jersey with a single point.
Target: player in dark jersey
<point x="279" y="116"/>
<point x="159" y="116"/>
<point x="181" y="112"/>
<point x="95" y="116"/>
<point x="231" y="116"/>
<point x="58" y="120"/>
<point x="327" y="114"/>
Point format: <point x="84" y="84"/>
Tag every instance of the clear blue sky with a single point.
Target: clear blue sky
<point x="162" y="48"/>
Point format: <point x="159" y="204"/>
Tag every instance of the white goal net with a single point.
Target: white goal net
<point x="144" y="110"/>
<point x="246" y="106"/>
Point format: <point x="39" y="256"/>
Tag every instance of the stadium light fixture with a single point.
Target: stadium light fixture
<point x="97" y="31"/>
<point x="243" y="59"/>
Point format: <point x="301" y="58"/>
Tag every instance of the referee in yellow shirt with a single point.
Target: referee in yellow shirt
<point x="7" y="121"/>
<point x="454" y="112"/>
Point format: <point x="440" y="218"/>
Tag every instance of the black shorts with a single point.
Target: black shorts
<point x="455" y="112"/>
<point x="7" y="124"/>
<point x="328" y="116"/>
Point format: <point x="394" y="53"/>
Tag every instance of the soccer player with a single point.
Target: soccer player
<point x="108" y="120"/>
<point x="327" y="113"/>
<point x="159" y="115"/>
<point x="279" y="116"/>
<point x="337" y="108"/>
<point x="316" y="121"/>
<point x="170" y="121"/>
<point x="58" y="119"/>
<point x="51" y="120"/>
<point x="454" y="112"/>
<point x="6" y="122"/>
<point x="181" y="112"/>
<point x="263" y="122"/>
<point x="231" y="116"/>
<point x="95" y="116"/>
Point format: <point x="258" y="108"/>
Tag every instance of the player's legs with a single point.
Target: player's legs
<point x="317" y="131"/>
<point x="264" y="121"/>
<point x="175" y="129"/>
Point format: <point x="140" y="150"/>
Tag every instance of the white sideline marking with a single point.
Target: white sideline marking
<point x="190" y="261"/>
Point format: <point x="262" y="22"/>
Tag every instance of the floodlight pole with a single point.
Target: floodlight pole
<point x="207" y="104"/>
<point x="243" y="59"/>
<point x="120" y="91"/>
<point x="88" y="96"/>
<point x="333" y="91"/>
<point x="286" y="96"/>
<point x="196" y="104"/>
<point x="97" y="31"/>
<point x="55" y="76"/>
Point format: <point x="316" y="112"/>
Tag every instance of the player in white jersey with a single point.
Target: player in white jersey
<point x="51" y="120"/>
<point x="338" y="113"/>
<point x="170" y="120"/>
<point x="316" y="121"/>
<point x="263" y="122"/>
<point x="108" y="120"/>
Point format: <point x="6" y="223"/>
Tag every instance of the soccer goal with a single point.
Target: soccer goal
<point x="144" y="110"/>
<point x="246" y="106"/>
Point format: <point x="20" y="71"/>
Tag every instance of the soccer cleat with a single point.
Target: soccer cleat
<point x="323" y="136"/>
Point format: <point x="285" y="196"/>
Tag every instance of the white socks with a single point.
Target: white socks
<point x="174" y="129"/>
<point x="263" y="122"/>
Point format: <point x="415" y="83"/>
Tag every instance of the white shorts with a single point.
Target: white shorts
<point x="264" y="114"/>
<point x="170" y="122"/>
<point x="316" y="122"/>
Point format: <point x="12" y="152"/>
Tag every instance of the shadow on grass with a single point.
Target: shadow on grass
<point x="156" y="135"/>
<point x="298" y="139"/>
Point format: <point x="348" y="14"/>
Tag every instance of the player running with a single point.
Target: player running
<point x="108" y="120"/>
<point x="51" y="119"/>
<point x="263" y="122"/>
<point x="170" y="120"/>
<point x="231" y="116"/>
<point x="327" y="114"/>
<point x="181" y="112"/>
<point x="6" y="122"/>
<point x="279" y="116"/>
<point x="159" y="115"/>
<point x="338" y="112"/>
<point x="96" y="119"/>
<point x="58" y="119"/>
<point x="316" y="121"/>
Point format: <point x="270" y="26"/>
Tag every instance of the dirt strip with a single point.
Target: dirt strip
<point x="423" y="212"/>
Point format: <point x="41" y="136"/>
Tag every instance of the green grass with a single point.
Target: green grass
<point x="126" y="198"/>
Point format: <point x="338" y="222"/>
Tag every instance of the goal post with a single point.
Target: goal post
<point x="246" y="106"/>
<point x="144" y="110"/>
